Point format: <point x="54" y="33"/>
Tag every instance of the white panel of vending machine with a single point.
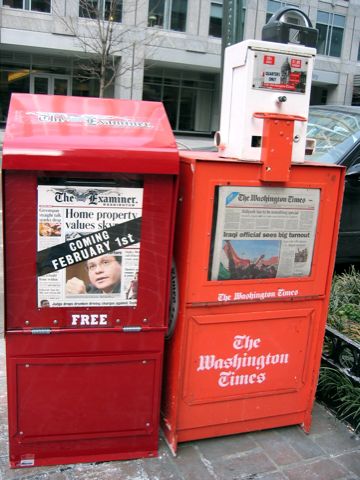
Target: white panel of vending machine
<point x="263" y="77"/>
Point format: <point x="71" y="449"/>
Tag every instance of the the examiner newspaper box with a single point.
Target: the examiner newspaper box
<point x="255" y="244"/>
<point x="89" y="189"/>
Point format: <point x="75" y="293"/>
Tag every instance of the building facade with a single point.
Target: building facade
<point x="166" y="50"/>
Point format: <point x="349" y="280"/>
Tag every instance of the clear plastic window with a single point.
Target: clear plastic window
<point x="88" y="242"/>
<point x="262" y="232"/>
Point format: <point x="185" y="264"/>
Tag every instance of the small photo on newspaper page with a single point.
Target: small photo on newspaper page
<point x="88" y="245"/>
<point x="263" y="232"/>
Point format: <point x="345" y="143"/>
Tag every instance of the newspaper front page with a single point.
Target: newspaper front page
<point x="263" y="232"/>
<point x="88" y="245"/>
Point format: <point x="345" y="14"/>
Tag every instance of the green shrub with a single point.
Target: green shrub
<point x="337" y="390"/>
<point x="341" y="395"/>
<point x="344" y="308"/>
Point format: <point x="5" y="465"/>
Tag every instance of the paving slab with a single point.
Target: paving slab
<point x="351" y="461"/>
<point x="277" y="447"/>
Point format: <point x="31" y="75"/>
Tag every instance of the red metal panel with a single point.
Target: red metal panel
<point x="73" y="342"/>
<point x="74" y="396"/>
<point x="277" y="145"/>
<point x="20" y="223"/>
<point x="219" y="388"/>
<point x="46" y="411"/>
<point x="231" y="355"/>
<point x="46" y="132"/>
<point x="205" y="175"/>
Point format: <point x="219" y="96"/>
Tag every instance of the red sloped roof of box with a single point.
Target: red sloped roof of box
<point x="62" y="133"/>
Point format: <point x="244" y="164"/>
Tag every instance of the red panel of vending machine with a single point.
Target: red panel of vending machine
<point x="255" y="258"/>
<point x="89" y="191"/>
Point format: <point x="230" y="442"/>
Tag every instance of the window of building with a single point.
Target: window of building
<point x="331" y="31"/>
<point x="104" y="9"/>
<point x="356" y="91"/>
<point x="356" y="97"/>
<point x="168" y="14"/>
<point x="273" y="6"/>
<point x="24" y="73"/>
<point x="187" y="97"/>
<point x="216" y="14"/>
<point x="33" y="5"/>
<point x="318" y="95"/>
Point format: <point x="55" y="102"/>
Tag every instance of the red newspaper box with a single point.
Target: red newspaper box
<point x="89" y="191"/>
<point x="255" y="245"/>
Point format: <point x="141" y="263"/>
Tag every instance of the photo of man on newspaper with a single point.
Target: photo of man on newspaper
<point x="104" y="275"/>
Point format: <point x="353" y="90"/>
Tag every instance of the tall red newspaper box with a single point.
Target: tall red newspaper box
<point x="89" y="191"/>
<point x="254" y="261"/>
<point x="255" y="244"/>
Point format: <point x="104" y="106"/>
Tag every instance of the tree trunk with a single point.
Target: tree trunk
<point x="102" y="80"/>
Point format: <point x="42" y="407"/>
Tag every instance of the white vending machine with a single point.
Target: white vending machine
<point x="267" y="77"/>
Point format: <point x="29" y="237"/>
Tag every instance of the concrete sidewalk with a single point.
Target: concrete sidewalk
<point x="330" y="452"/>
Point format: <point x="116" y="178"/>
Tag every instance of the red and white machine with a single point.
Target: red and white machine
<point x="263" y="77"/>
<point x="89" y="195"/>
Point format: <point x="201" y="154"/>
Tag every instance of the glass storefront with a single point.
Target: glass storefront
<point x="188" y="97"/>
<point x="36" y="73"/>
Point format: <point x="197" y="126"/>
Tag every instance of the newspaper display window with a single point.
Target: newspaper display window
<point x="263" y="232"/>
<point x="88" y="244"/>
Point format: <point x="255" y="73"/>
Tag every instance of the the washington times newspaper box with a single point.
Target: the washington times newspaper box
<point x="255" y="244"/>
<point x="89" y="197"/>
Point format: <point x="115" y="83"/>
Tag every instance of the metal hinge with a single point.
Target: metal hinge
<point x="41" y="331"/>
<point x="132" y="329"/>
